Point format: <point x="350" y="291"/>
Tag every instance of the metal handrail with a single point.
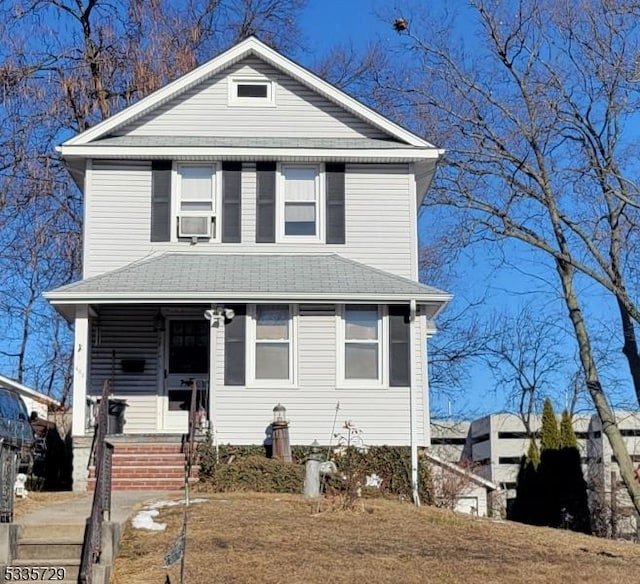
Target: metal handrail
<point x="102" y="454"/>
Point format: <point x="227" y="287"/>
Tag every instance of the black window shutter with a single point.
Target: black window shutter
<point x="234" y="347"/>
<point x="335" y="203"/>
<point x="399" y="345"/>
<point x="266" y="202"/>
<point x="160" y="200"/>
<point x="231" y="201"/>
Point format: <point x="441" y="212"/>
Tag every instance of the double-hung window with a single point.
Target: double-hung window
<point x="273" y="345"/>
<point x="362" y="334"/>
<point x="300" y="202"/>
<point x="197" y="201"/>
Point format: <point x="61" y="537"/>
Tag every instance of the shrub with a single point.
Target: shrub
<point x="247" y="468"/>
<point x="257" y="473"/>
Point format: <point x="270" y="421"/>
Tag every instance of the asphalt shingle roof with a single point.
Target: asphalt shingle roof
<point x="246" y="276"/>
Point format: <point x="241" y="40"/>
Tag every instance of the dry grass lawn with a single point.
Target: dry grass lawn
<point x="238" y="538"/>
<point x="37" y="500"/>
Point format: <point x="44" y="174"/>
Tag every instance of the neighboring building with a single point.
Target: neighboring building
<point x="450" y="439"/>
<point x="494" y="446"/>
<point x="460" y="489"/>
<point x="253" y="227"/>
<point x="33" y="400"/>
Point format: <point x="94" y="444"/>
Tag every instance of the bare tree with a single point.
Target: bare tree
<point x="535" y="113"/>
<point x="53" y="84"/>
<point x="460" y="342"/>
<point x="523" y="353"/>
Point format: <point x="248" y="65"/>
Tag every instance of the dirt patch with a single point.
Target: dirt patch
<point x="269" y="538"/>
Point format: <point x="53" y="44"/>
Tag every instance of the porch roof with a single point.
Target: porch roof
<point x="188" y="278"/>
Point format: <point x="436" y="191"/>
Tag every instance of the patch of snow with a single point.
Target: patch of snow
<point x="144" y="520"/>
<point x="162" y="504"/>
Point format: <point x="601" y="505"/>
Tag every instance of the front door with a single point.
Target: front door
<point x="187" y="360"/>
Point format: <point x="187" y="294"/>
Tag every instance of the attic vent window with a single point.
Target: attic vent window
<point x="251" y="92"/>
<point x="257" y="90"/>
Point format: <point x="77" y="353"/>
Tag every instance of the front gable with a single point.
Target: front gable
<point x="198" y="104"/>
<point x="289" y="109"/>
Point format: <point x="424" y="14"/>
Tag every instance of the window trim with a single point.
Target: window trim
<point x="251" y="340"/>
<point x="320" y="184"/>
<point x="382" y="382"/>
<point x="176" y="198"/>
<point x="235" y="101"/>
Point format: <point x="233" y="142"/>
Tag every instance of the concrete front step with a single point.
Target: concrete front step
<point x="45" y="549"/>
<point x="47" y="567"/>
<point x="59" y="531"/>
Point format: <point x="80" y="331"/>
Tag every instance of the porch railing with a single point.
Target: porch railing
<point x="102" y="456"/>
<point x="189" y="443"/>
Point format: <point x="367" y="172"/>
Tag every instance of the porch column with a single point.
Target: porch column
<point x="213" y="333"/>
<point x="81" y="352"/>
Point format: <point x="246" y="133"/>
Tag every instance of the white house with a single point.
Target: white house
<point x="254" y="193"/>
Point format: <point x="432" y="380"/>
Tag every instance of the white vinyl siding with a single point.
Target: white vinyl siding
<point x="117" y="222"/>
<point x="204" y="110"/>
<point x="242" y="414"/>
<point x="377" y="210"/>
<point x="378" y="217"/>
<point x="126" y="333"/>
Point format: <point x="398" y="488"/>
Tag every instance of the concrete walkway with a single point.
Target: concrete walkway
<point x="77" y="510"/>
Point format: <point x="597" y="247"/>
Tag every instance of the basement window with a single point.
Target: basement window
<point x="251" y="92"/>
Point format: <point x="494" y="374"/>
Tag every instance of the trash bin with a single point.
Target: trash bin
<point x="115" y="419"/>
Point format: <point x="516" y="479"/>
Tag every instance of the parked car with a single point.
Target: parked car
<point x="15" y="430"/>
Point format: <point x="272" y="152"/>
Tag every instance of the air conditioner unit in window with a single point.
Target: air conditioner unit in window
<point x="194" y="226"/>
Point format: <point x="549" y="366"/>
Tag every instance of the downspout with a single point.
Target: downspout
<point x="413" y="413"/>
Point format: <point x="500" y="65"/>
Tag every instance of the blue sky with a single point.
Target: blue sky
<point x="329" y="22"/>
<point x="477" y="275"/>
